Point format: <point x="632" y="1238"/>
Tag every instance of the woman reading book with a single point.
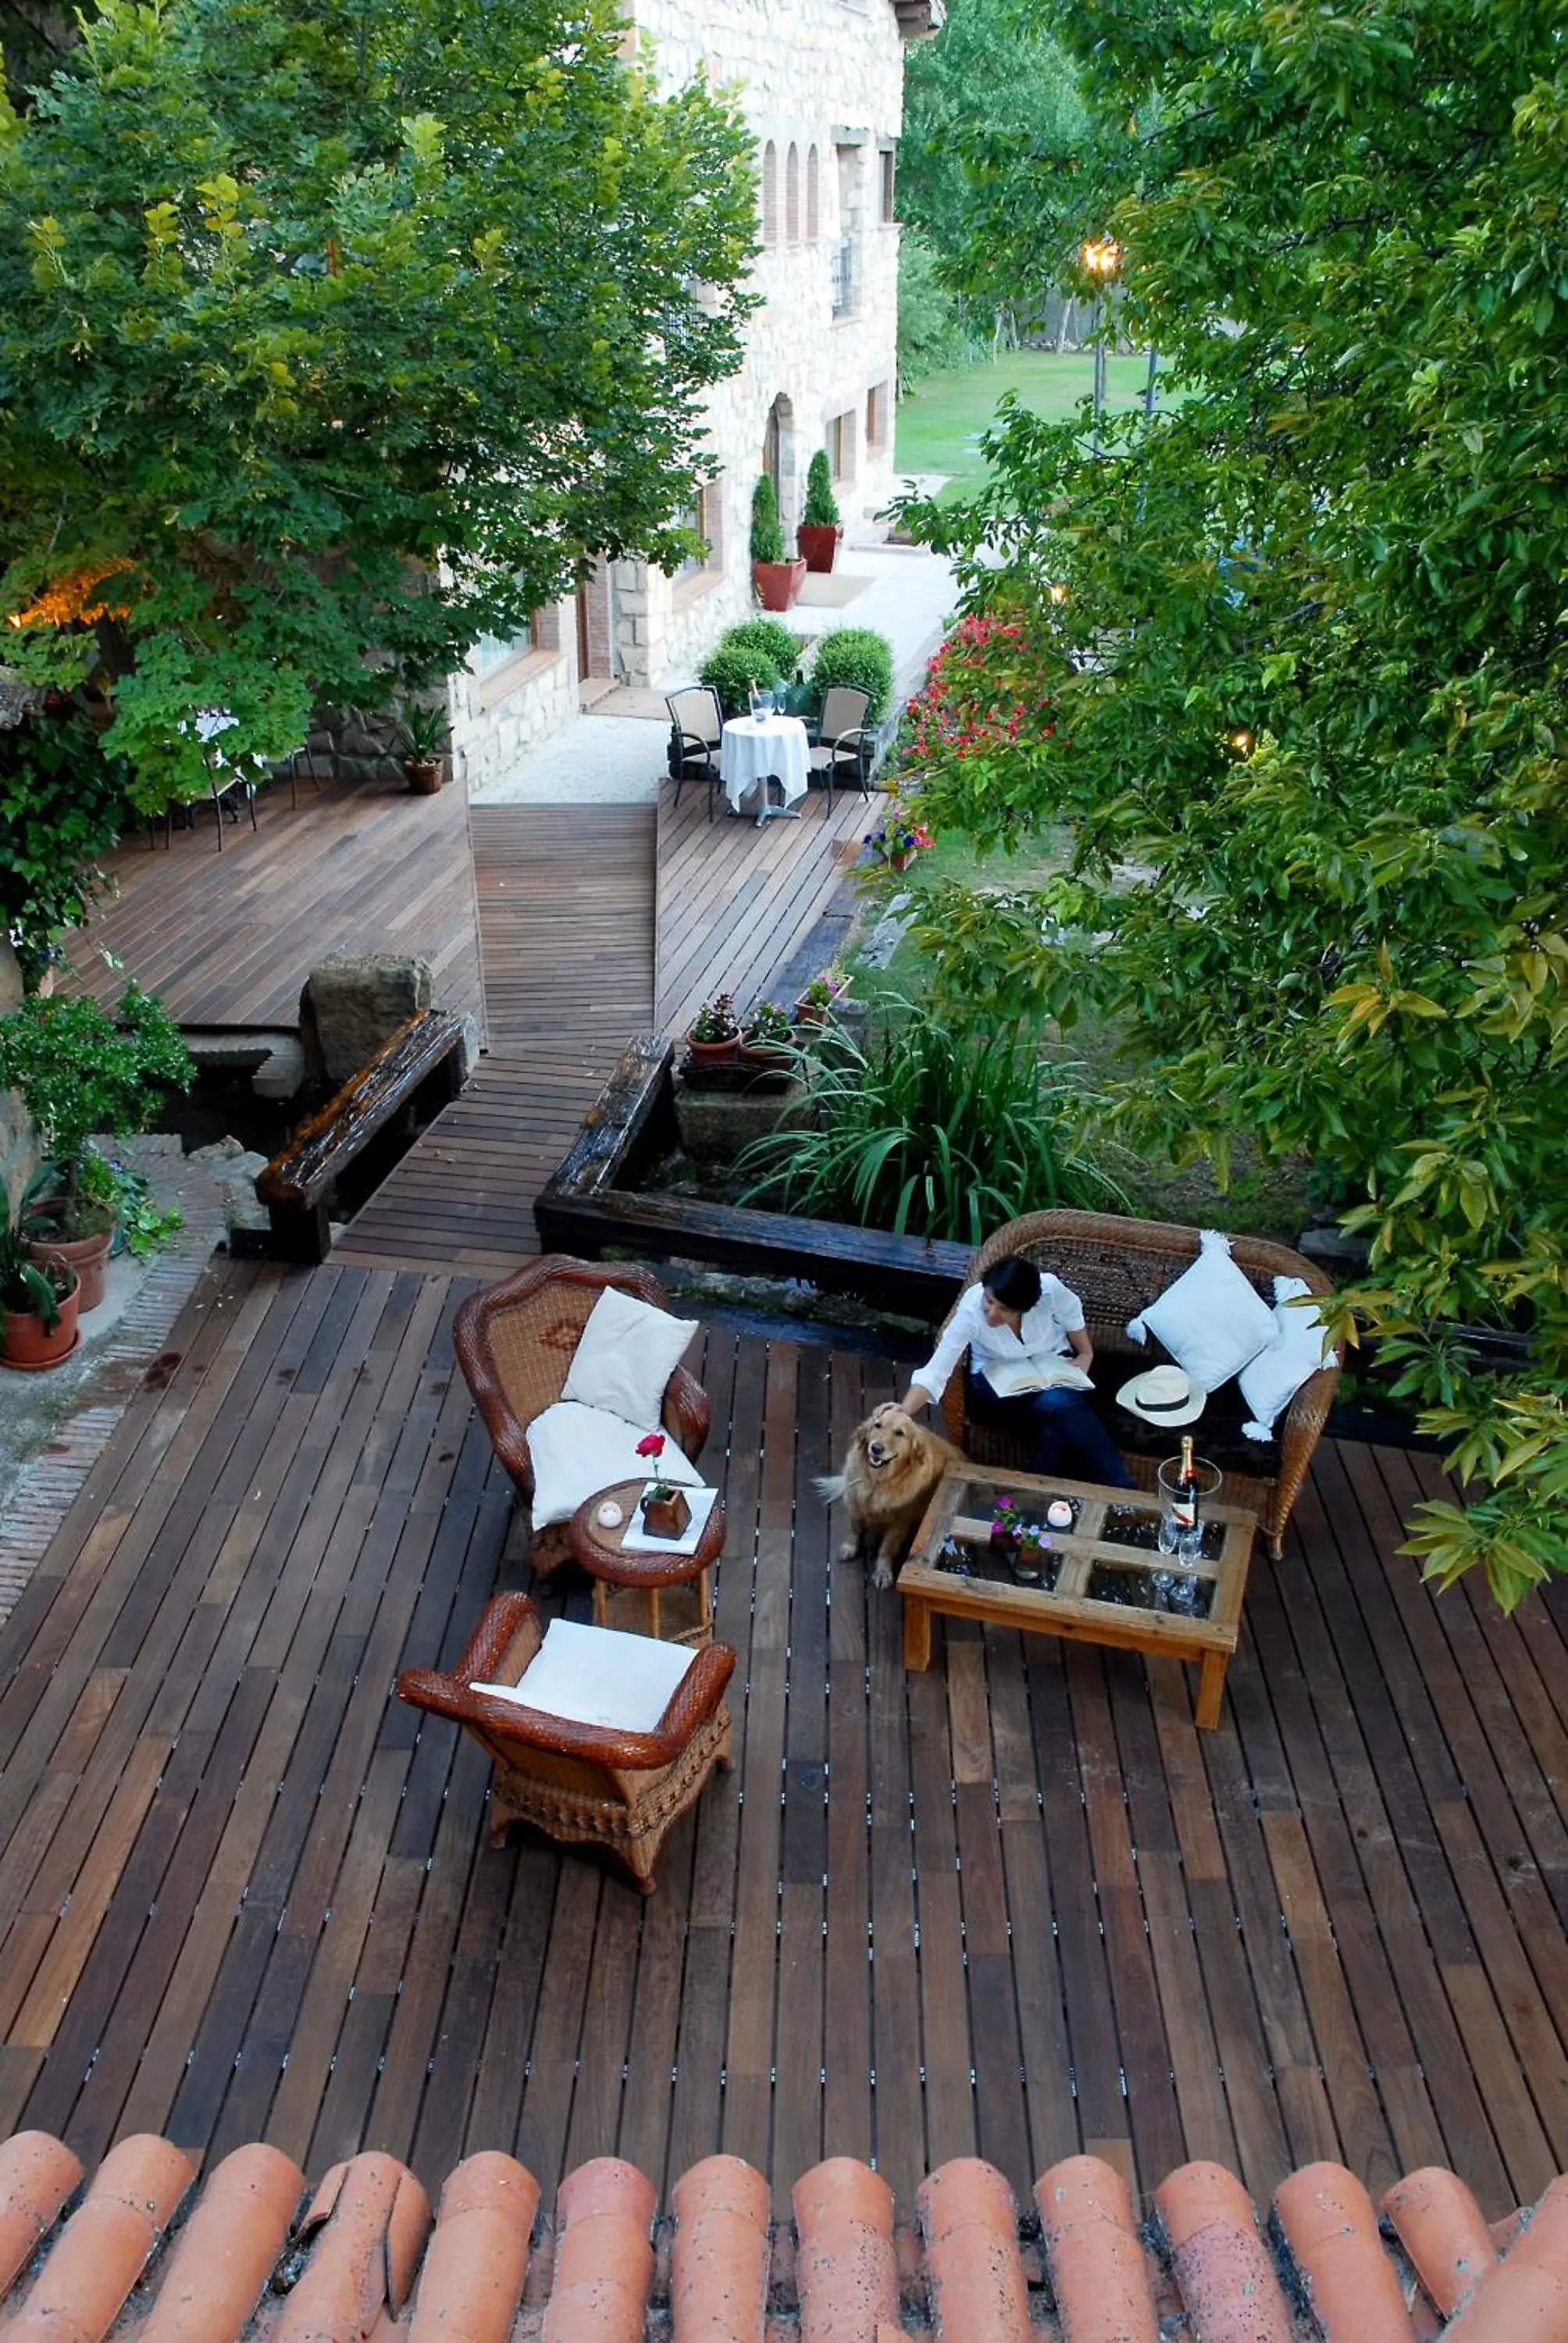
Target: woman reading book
<point x="1029" y="1361"/>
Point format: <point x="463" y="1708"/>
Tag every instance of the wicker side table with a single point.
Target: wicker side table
<point x="634" y="1583"/>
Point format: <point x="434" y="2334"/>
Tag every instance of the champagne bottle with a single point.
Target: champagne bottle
<point x="1184" y="1507"/>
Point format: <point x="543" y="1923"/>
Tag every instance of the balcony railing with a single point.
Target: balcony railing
<point x="844" y="276"/>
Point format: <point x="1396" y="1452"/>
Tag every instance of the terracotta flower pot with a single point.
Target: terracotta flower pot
<point x="25" y="1344"/>
<point x="714" y="1053"/>
<point x="88" y="1256"/>
<point x="819" y="542"/>
<point x="777" y="582"/>
<point x="766" y="1058"/>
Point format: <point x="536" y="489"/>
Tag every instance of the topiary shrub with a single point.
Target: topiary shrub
<point x="861" y="658"/>
<point x="733" y="665"/>
<point x="821" y="507"/>
<point x="771" y="635"/>
<point x="766" y="531"/>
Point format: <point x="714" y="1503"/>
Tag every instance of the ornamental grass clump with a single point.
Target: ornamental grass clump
<point x="935" y="1129"/>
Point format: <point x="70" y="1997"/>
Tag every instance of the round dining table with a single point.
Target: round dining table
<point x="756" y="749"/>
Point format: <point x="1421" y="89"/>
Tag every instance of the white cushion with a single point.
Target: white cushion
<point x="626" y="1355"/>
<point x="1209" y="1320"/>
<point x="576" y="1449"/>
<point x="597" y="1675"/>
<point x="1299" y="1347"/>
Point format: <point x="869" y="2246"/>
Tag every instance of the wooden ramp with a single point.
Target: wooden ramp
<point x="736" y="903"/>
<point x="566" y="924"/>
<point x="1012" y="1907"/>
<point x="227" y="938"/>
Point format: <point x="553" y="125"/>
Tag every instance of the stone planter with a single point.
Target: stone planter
<point x="820" y="542"/>
<point x="88" y="1256"/>
<point x="778" y="583"/>
<point x="26" y="1345"/>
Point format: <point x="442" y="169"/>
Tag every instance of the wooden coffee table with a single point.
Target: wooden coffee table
<point x="641" y="1579"/>
<point x="1103" y="1581"/>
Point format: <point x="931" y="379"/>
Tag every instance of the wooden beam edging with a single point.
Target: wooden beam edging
<point x="637" y="1088"/>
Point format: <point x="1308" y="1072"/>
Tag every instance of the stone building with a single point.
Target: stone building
<point x="822" y="81"/>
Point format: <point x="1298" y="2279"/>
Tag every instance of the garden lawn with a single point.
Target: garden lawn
<point x="938" y="427"/>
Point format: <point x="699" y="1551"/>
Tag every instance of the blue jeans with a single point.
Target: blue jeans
<point x="1062" y="1432"/>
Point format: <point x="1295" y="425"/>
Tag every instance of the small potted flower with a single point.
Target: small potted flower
<point x="38" y="1303"/>
<point x="897" y="841"/>
<point x="713" y="1037"/>
<point x="767" y="1040"/>
<point x="665" y="1512"/>
<point x="1021" y="1542"/>
<point x="820" y="996"/>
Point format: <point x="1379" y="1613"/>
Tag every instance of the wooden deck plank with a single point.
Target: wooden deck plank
<point x="307" y="1502"/>
<point x="227" y="938"/>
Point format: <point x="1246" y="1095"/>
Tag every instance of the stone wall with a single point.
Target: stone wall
<point x="813" y="74"/>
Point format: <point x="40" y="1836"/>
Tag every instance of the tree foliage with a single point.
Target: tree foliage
<point x="334" y="337"/>
<point x="1305" y="669"/>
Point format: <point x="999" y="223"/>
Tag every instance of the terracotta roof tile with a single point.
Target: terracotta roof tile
<point x="365" y="2262"/>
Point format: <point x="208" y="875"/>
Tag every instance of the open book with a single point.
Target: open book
<point x="1010" y="1378"/>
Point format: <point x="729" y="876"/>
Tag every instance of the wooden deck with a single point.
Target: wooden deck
<point x="1016" y="1904"/>
<point x="566" y="898"/>
<point x="596" y="922"/>
<point x="735" y="902"/>
<point x="227" y="938"/>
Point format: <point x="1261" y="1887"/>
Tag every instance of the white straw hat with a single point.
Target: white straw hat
<point x="1164" y="1395"/>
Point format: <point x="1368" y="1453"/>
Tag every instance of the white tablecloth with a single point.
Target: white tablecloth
<point x="756" y="749"/>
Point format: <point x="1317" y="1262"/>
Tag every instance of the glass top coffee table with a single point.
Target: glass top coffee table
<point x="1103" y="1580"/>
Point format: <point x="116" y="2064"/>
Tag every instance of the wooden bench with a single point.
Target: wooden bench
<point x="423" y="1065"/>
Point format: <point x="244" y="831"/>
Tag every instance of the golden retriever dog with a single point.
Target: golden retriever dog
<point x="892" y="1467"/>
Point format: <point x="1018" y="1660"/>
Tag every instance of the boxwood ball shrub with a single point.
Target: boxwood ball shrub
<point x="770" y="635"/>
<point x="861" y="658"/>
<point x="732" y="668"/>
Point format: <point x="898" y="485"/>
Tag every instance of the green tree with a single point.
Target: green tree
<point x="334" y="337"/>
<point x="987" y="106"/>
<point x="1291" y="661"/>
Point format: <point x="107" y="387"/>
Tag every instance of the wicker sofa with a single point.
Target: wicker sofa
<point x="1118" y="1267"/>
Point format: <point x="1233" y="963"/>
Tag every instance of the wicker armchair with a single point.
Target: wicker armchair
<point x="1117" y="1268"/>
<point x="515" y="1343"/>
<point x="586" y="1784"/>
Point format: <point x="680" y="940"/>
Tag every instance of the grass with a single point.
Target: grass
<point x="938" y="427"/>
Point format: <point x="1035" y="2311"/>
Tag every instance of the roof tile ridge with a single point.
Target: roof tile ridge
<point x="1444" y="2232"/>
<point x="360" y="2246"/>
<point x="846" y="2265"/>
<point x="103" y="2248"/>
<point x="476" y="2263"/>
<point x="604" y="2255"/>
<point x="720" y="2257"/>
<point x="1524" y="2298"/>
<point x="217" y="2274"/>
<point x="1225" y="2271"/>
<point x="38" y="2178"/>
<point x="968" y="2220"/>
<point x="1094" y="2253"/>
<point x="1350" y="2280"/>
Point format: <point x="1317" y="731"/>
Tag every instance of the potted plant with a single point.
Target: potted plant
<point x="665" y="1511"/>
<point x="422" y="726"/>
<point x="897" y="841"/>
<point x="39" y="1303"/>
<point x="80" y="1071"/>
<point x="776" y="580"/>
<point x="812" y="1006"/>
<point x="821" y="527"/>
<point x="714" y="1036"/>
<point x="766" y="1040"/>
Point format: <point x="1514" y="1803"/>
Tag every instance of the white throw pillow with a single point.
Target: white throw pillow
<point x="1210" y="1320"/>
<point x="576" y="1449"/>
<point x="626" y="1355"/>
<point x="597" y="1675"/>
<point x="1299" y="1347"/>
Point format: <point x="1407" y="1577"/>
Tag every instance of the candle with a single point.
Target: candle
<point x="610" y="1515"/>
<point x="1059" y="1513"/>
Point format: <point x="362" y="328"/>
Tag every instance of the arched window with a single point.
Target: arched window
<point x="813" y="198"/>
<point x="770" y="193"/>
<point x="793" y="195"/>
